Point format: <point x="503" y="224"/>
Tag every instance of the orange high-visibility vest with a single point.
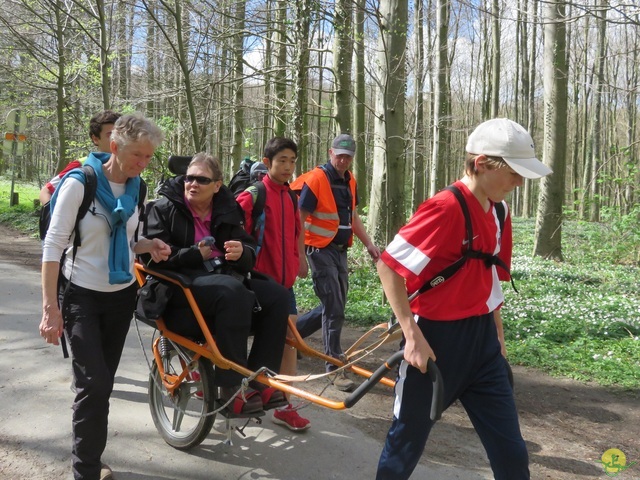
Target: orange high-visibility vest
<point x="322" y="224"/>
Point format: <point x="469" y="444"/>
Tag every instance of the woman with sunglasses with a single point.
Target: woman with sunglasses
<point x="199" y="218"/>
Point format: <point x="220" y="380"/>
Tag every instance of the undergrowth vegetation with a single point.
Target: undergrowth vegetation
<point x="579" y="318"/>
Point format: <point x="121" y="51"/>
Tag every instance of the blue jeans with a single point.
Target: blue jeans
<point x="96" y="324"/>
<point x="331" y="284"/>
<point x="474" y="372"/>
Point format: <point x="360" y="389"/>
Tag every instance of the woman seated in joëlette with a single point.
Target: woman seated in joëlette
<point x="192" y="209"/>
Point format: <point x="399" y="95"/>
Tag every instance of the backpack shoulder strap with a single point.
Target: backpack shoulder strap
<point x="142" y="195"/>
<point x="449" y="271"/>
<point x="90" y="187"/>
<point x="465" y="211"/>
<point x="294" y="199"/>
<point x="501" y="213"/>
<point x="259" y="197"/>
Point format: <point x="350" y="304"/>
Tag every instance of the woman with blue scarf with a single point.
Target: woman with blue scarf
<point x="92" y="294"/>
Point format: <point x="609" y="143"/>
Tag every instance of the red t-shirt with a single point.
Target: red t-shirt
<point x="434" y="238"/>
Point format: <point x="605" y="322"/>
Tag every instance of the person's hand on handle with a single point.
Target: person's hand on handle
<point x="417" y="350"/>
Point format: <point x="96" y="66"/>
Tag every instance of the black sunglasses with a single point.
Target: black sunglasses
<point x="200" y="180"/>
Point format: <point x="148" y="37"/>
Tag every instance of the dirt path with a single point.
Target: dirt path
<point x="567" y="425"/>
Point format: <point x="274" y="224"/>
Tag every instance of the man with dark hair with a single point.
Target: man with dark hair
<point x="100" y="127"/>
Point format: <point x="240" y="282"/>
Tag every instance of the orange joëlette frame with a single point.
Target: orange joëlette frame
<point x="210" y="351"/>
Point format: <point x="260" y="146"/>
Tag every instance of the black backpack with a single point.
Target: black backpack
<point x="241" y="180"/>
<point x="488" y="258"/>
<point x="90" y="186"/>
<point x="258" y="192"/>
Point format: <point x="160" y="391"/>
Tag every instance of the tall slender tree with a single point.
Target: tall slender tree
<point x="548" y="236"/>
<point x="360" y="106"/>
<point x="387" y="213"/>
<point x="442" y="100"/>
<point x="597" y="130"/>
<point x="342" y="64"/>
<point x="417" y="163"/>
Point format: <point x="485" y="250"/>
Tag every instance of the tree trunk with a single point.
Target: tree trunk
<point x="238" y="84"/>
<point x="267" y="117"/>
<point x="280" y="78"/>
<point x="387" y="214"/>
<point x="359" y="109"/>
<point x="596" y="133"/>
<point x="495" y="59"/>
<point x="548" y="236"/>
<point x="342" y="64"/>
<point x="60" y="86"/>
<point x="417" y="164"/>
<point x="300" y="118"/>
<point x="528" y="197"/>
<point x="442" y="105"/>
<point x="105" y="62"/>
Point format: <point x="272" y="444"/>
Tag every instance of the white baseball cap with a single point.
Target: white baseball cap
<point x="504" y="138"/>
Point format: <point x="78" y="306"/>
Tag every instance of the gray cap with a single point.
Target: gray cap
<point x="256" y="169"/>
<point x="344" y="144"/>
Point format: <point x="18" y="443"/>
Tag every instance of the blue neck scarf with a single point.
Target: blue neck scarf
<point x="121" y="209"/>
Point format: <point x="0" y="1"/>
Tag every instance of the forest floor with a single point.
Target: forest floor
<point x="567" y="425"/>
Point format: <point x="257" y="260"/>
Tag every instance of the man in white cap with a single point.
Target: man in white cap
<point x="457" y="323"/>
<point x="328" y="200"/>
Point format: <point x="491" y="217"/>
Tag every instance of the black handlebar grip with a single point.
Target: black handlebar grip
<point x="368" y="384"/>
<point x="437" y="398"/>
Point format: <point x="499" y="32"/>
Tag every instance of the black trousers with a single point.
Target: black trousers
<point x="229" y="309"/>
<point x="96" y="324"/>
<point x="474" y="372"/>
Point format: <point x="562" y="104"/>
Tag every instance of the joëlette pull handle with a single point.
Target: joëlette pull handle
<point x="437" y="398"/>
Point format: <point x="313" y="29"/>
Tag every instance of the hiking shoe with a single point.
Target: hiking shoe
<point x="105" y="472"/>
<point x="288" y="417"/>
<point x="342" y="382"/>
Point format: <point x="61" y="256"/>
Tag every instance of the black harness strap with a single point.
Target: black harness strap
<point x="488" y="259"/>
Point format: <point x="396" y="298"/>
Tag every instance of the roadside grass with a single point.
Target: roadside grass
<point x="579" y="318"/>
<point x="22" y="216"/>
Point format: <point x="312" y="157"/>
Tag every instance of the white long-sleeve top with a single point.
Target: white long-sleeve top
<point x="91" y="267"/>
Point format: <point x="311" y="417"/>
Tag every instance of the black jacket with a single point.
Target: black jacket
<point x="170" y="220"/>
